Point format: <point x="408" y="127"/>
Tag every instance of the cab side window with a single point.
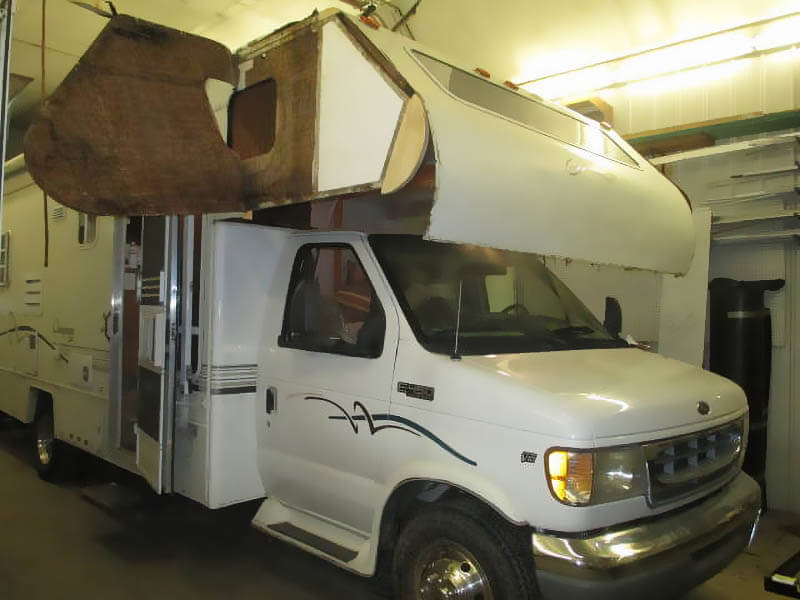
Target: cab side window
<point x="331" y="305"/>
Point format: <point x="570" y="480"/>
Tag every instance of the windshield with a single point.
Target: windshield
<point x="510" y="302"/>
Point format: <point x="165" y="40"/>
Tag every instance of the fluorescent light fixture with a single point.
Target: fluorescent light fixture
<point x="681" y="63"/>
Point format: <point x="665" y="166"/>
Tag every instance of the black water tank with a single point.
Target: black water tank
<point x="741" y="350"/>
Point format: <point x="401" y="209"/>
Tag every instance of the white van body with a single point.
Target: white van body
<point x="328" y="469"/>
<point x="226" y="403"/>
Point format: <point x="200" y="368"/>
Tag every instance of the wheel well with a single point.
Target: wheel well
<point x="411" y="496"/>
<point x="39" y="401"/>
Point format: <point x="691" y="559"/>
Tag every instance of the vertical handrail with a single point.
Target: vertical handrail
<point x="6" y="20"/>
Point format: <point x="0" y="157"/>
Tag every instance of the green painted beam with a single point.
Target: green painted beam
<point x="789" y="119"/>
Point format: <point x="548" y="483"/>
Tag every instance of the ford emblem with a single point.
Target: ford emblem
<point x="703" y="408"/>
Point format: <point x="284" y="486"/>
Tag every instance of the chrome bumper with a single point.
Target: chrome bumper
<point x="688" y="545"/>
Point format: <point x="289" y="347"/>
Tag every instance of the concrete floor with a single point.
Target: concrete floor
<point x="54" y="544"/>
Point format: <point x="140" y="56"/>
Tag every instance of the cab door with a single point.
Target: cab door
<point x="325" y="384"/>
<point x="157" y="333"/>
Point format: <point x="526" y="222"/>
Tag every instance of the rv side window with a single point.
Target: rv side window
<point x="87" y="229"/>
<point x="528" y="111"/>
<point x="4" y="242"/>
<point x="252" y="119"/>
<point x="331" y="305"/>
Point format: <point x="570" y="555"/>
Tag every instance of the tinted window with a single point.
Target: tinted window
<point x="253" y="117"/>
<point x="331" y="305"/>
<point x="484" y="93"/>
<point x="498" y="301"/>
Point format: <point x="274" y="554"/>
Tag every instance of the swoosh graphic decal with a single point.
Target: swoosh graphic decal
<point x="410" y="426"/>
<point x="30" y="329"/>
<point x="427" y="434"/>
<point x="344" y="412"/>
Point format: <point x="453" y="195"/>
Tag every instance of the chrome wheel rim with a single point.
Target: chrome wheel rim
<point x="446" y="570"/>
<point x="44" y="439"/>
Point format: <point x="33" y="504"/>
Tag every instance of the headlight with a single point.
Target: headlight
<point x="582" y="477"/>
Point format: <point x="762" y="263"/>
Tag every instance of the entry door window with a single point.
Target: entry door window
<point x="331" y="305"/>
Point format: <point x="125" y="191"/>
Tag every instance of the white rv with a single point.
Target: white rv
<point x="420" y="396"/>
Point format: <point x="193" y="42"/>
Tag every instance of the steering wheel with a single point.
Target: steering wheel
<point x="517" y="309"/>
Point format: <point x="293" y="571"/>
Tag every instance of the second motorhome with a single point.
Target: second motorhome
<point x="384" y="358"/>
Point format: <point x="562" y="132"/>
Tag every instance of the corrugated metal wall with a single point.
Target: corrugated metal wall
<point x="767" y="84"/>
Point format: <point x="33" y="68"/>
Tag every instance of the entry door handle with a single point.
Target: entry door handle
<point x="272" y="400"/>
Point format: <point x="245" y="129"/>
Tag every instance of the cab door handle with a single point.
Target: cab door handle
<point x="272" y="400"/>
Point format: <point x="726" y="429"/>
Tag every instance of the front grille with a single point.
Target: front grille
<point x="685" y="465"/>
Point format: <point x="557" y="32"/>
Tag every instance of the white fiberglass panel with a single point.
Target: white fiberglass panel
<point x="245" y="260"/>
<point x="245" y="263"/>
<point x="358" y="114"/>
<point x="504" y="183"/>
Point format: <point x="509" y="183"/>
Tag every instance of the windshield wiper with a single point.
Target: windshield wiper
<point x="574" y="329"/>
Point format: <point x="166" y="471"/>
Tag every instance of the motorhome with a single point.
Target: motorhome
<point x="340" y="306"/>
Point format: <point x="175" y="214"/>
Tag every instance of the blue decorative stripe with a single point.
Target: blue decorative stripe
<point x="415" y="428"/>
<point x="426" y="433"/>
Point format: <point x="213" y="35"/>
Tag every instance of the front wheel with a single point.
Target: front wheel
<point x="448" y="552"/>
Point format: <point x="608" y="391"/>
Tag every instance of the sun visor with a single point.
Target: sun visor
<point x="131" y="131"/>
<point x="516" y="173"/>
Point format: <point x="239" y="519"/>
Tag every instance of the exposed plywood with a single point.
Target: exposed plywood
<point x="408" y="148"/>
<point x="285" y="173"/>
<point x="131" y="131"/>
<point x="594" y="108"/>
<point x="358" y="113"/>
<point x="678" y="143"/>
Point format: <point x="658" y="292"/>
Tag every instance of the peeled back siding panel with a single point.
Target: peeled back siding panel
<point x="130" y="130"/>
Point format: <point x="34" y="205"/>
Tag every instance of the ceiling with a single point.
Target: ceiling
<point x="232" y="22"/>
<point x="515" y="39"/>
<point x="522" y="40"/>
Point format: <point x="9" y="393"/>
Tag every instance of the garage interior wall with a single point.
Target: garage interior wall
<point x="709" y="183"/>
<point x="746" y="87"/>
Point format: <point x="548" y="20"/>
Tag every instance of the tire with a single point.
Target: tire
<point x="47" y="448"/>
<point x="459" y="551"/>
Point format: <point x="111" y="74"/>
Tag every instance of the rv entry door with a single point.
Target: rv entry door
<point x="157" y="332"/>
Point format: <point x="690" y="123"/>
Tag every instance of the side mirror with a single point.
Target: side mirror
<point x="613" y="318"/>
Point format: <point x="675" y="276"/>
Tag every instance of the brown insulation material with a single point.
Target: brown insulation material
<point x="130" y="130"/>
<point x="285" y="173"/>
